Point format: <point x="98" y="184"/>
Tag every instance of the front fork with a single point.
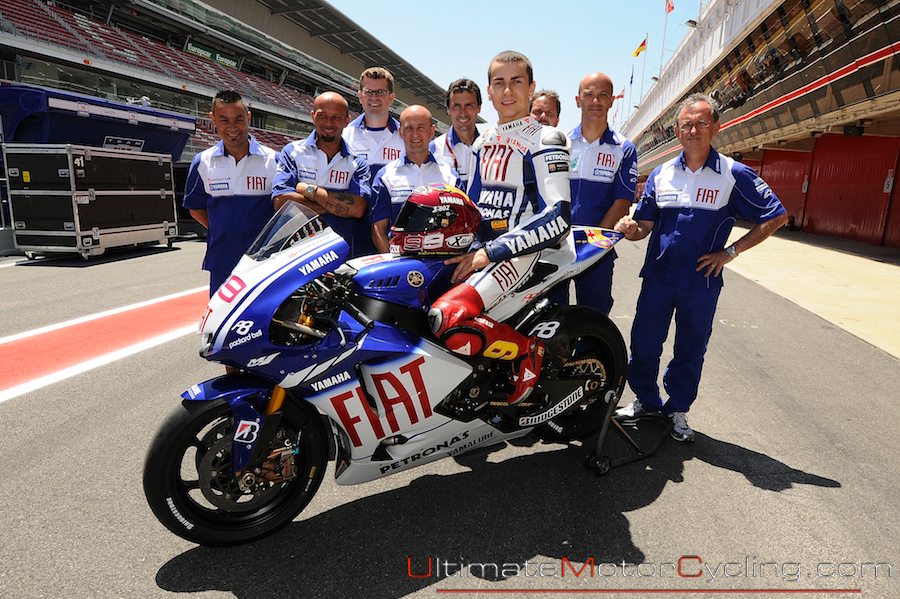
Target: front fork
<point x="256" y="408"/>
<point x="244" y="452"/>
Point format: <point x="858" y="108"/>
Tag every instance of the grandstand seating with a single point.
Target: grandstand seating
<point x="60" y="26"/>
<point x="32" y="19"/>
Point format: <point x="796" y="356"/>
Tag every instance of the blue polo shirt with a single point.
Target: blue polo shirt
<point x="450" y="150"/>
<point x="237" y="197"/>
<point x="601" y="172"/>
<point x="302" y="161"/>
<point x="693" y="213"/>
<point x="396" y="180"/>
<point x="376" y="146"/>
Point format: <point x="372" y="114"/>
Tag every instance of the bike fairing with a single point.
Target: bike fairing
<point x="382" y="388"/>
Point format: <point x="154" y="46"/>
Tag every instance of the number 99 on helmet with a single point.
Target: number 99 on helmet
<point x="436" y="220"/>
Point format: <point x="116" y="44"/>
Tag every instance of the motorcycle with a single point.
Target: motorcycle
<point x="337" y="361"/>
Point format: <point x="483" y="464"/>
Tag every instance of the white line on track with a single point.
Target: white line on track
<point x="90" y="317"/>
<point x="77" y="369"/>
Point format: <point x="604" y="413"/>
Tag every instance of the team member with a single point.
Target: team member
<point x="229" y="186"/>
<point x="689" y="204"/>
<point x="455" y="146"/>
<point x="321" y="173"/>
<point x="374" y="135"/>
<point x="521" y="187"/>
<point x="603" y="178"/>
<point x="545" y="107"/>
<point x="416" y="167"/>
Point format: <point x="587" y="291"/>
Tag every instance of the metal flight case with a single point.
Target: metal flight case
<point x="67" y="198"/>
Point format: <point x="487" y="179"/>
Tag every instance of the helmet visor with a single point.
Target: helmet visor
<point x="416" y="218"/>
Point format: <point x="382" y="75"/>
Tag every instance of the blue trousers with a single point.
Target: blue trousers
<point x="694" y="311"/>
<point x="216" y="278"/>
<point x="593" y="287"/>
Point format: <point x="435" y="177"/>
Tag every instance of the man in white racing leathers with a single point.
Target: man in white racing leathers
<point x="520" y="182"/>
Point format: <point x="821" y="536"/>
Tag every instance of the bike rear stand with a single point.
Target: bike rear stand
<point x="601" y="463"/>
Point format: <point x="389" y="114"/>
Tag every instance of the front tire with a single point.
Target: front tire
<point x="587" y="346"/>
<point x="190" y="486"/>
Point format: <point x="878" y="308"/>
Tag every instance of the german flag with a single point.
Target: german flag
<point x="640" y="48"/>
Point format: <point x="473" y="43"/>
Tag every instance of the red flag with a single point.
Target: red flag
<point x="670" y="6"/>
<point x="620" y="96"/>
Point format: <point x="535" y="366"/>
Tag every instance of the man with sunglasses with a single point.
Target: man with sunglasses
<point x="689" y="205"/>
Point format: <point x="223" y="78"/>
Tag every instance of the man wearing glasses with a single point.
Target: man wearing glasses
<point x="602" y="179"/>
<point x="374" y="135"/>
<point x="689" y="205"/>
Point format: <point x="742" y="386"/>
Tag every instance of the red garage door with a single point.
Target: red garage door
<point x="892" y="233"/>
<point x="786" y="172"/>
<point x="846" y="187"/>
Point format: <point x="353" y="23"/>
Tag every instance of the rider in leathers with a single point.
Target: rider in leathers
<point x="520" y="182"/>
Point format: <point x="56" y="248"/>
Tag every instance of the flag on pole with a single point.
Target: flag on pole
<point x="620" y="95"/>
<point x="670" y="6"/>
<point x="640" y="48"/>
<point x="631" y="81"/>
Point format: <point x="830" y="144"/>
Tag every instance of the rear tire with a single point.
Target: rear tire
<point x="589" y="346"/>
<point x="190" y="486"/>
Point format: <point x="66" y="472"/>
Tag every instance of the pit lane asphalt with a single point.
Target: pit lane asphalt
<point x="795" y="463"/>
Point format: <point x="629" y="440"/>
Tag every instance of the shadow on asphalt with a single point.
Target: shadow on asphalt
<point x="110" y="255"/>
<point x="538" y="508"/>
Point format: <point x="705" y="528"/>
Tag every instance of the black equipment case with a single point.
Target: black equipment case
<point x="81" y="199"/>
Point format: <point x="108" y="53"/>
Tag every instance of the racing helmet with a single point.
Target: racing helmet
<point x="436" y="220"/>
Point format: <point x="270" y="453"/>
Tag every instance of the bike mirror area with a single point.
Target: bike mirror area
<point x="291" y="223"/>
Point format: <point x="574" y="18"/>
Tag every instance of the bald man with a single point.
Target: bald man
<point x="602" y="181"/>
<point x="416" y="166"/>
<point x="321" y="173"/>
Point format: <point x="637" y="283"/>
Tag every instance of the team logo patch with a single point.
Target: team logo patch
<point x="415" y="278"/>
<point x="597" y="238"/>
<point x="460" y="241"/>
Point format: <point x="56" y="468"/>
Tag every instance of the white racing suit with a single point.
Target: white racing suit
<point x="520" y="182"/>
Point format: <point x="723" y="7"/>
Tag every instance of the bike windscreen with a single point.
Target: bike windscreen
<point x="290" y="224"/>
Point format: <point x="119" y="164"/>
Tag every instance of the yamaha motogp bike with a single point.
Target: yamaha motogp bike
<point x="337" y="361"/>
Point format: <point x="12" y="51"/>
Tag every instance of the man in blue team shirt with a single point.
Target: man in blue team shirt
<point x="415" y="168"/>
<point x="602" y="179"/>
<point x="374" y="135"/>
<point x="229" y="186"/>
<point x="689" y="204"/>
<point x="321" y="173"/>
<point x="454" y="148"/>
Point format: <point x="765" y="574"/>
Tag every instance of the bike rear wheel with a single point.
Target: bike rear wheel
<point x="588" y="346"/>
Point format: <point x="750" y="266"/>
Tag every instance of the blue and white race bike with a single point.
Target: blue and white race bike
<point x="337" y="361"/>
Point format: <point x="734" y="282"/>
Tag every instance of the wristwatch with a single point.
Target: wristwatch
<point x="731" y="251"/>
<point x="310" y="191"/>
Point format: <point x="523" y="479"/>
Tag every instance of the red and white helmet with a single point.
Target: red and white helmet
<point x="436" y="220"/>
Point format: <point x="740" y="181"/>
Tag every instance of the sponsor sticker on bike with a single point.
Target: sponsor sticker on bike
<point x="555" y="411"/>
<point x="246" y="431"/>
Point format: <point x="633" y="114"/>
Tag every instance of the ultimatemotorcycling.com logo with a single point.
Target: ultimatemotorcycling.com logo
<point x="692" y="567"/>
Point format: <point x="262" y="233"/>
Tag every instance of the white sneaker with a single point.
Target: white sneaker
<point x="681" y="431"/>
<point x="632" y="410"/>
